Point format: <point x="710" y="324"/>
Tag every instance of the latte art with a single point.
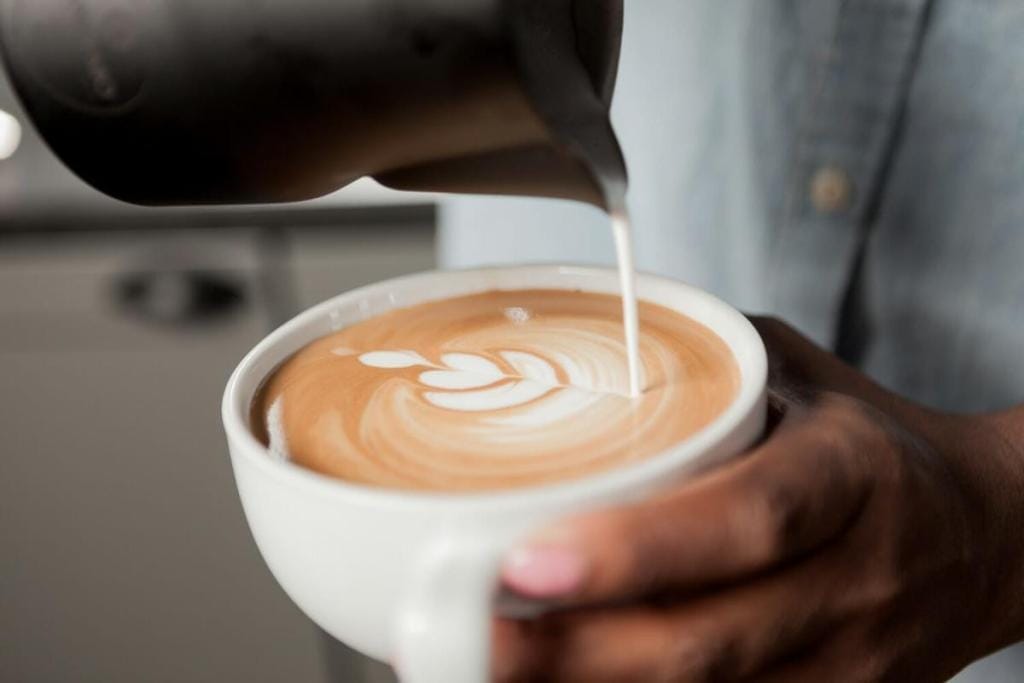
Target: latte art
<point x="482" y="385"/>
<point x="495" y="390"/>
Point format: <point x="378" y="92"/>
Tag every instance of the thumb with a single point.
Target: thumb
<point x="801" y="370"/>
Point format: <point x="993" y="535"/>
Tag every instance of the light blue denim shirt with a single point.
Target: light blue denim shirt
<point x="853" y="166"/>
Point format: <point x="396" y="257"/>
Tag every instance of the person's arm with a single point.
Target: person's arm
<point x="866" y="538"/>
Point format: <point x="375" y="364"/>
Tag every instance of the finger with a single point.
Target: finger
<point x="600" y="645"/>
<point x="797" y="490"/>
<point x="796" y="361"/>
<point x="802" y="670"/>
<point x="799" y="370"/>
<point x="845" y="655"/>
<point x="727" y="636"/>
<point x="817" y="665"/>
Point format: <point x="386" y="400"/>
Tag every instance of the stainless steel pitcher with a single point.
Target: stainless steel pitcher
<point x="251" y="101"/>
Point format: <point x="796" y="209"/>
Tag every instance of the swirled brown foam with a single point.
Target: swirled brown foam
<point x="491" y="391"/>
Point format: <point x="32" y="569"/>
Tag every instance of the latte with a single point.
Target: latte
<point x="492" y="391"/>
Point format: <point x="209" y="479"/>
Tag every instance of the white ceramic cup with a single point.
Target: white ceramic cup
<point x="410" y="578"/>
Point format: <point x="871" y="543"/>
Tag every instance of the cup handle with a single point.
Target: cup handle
<point x="444" y="628"/>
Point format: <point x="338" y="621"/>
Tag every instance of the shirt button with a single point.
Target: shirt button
<point x="831" y="190"/>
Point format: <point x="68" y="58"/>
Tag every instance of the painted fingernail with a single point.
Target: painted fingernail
<point x="544" y="570"/>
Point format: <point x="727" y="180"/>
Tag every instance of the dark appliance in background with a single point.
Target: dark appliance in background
<point x="126" y="557"/>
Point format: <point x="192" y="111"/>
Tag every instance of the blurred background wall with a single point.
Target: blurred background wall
<point x="125" y="556"/>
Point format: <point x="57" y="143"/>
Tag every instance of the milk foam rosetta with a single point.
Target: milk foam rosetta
<point x="494" y="390"/>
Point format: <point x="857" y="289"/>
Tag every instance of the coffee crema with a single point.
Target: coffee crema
<point x="493" y="391"/>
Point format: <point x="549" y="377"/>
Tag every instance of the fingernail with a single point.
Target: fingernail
<point x="544" y="570"/>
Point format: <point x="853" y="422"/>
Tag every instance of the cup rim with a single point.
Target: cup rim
<point x="682" y="457"/>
